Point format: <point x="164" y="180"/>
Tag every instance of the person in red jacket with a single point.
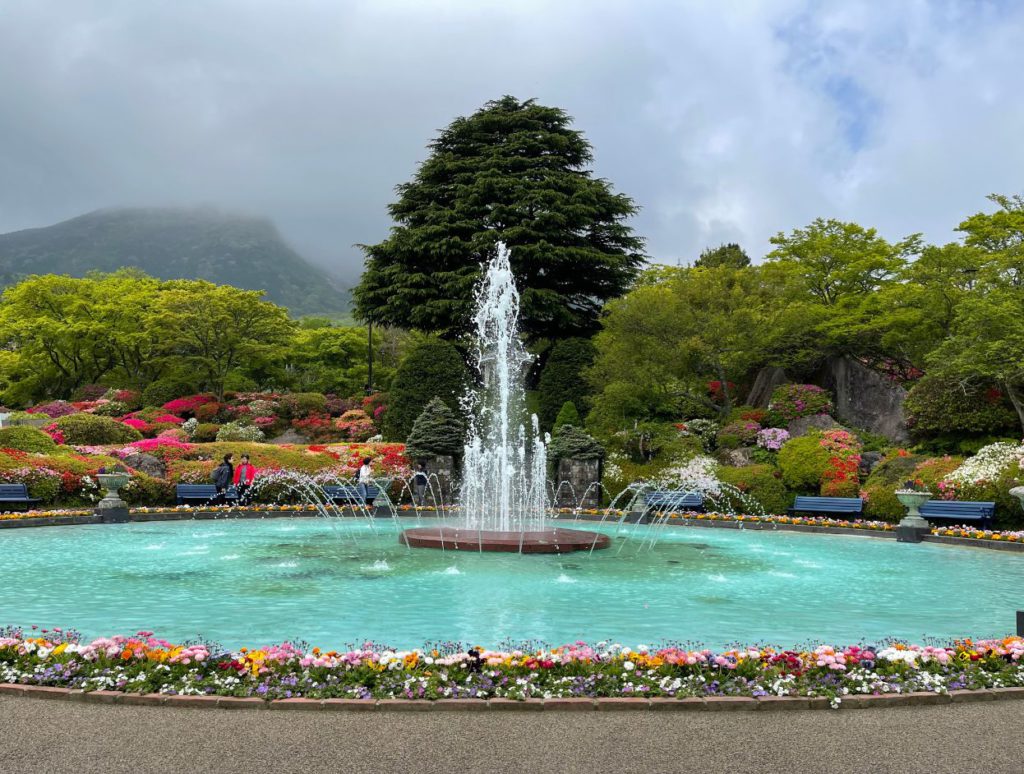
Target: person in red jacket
<point x="244" y="475"/>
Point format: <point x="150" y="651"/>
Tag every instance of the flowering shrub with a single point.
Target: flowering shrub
<point x="187" y="406"/>
<point x="145" y="664"/>
<point x="772" y="438"/>
<point x="697" y="475"/>
<point x="705" y="430"/>
<point x="189" y="426"/>
<point x="716" y="389"/>
<point x="988" y="463"/>
<point x="792" y="401"/>
<point x="736" y="434"/>
<point x="355" y="425"/>
<point x="26" y="439"/>
<point x="141" y="425"/>
<point x="841" y="478"/>
<point x="110" y="408"/>
<point x="54" y="409"/>
<point x="233" y="431"/>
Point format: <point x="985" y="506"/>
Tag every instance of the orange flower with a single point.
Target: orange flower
<point x="126" y="654"/>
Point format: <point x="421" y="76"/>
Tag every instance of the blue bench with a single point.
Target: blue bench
<point x="674" y="501"/>
<point x="348" y="494"/>
<point x="960" y="511"/>
<point x="206" y="494"/>
<point x="16" y="494"/>
<point x="829" y="506"/>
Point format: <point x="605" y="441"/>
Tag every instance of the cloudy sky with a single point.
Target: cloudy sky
<point x="725" y="121"/>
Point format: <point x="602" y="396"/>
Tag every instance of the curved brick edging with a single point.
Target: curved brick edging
<point x="200" y="515"/>
<point x="603" y="704"/>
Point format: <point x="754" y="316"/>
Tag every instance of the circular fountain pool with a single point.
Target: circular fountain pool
<point x="332" y="582"/>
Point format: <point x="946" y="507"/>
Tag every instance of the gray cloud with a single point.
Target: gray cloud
<point x="726" y="122"/>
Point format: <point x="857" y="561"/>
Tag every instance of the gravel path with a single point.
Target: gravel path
<point x="38" y="735"/>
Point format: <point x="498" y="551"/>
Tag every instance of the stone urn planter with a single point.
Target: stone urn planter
<point x="912" y="527"/>
<point x="112" y="509"/>
<point x="1018" y="492"/>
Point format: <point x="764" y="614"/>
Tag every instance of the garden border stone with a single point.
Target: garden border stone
<point x="569" y="704"/>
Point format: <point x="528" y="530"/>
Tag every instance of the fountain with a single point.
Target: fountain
<point x="503" y="502"/>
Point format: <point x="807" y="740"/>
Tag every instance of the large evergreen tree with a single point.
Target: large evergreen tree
<point x="563" y="380"/>
<point x="516" y="172"/>
<point x="434" y="369"/>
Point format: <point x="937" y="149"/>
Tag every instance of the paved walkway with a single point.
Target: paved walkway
<point x="37" y="735"/>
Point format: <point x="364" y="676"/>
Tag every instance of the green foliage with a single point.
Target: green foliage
<point x="567" y="415"/>
<point x="514" y="171"/>
<point x="944" y="406"/>
<point x="885" y="478"/>
<point x="433" y="369"/>
<point x="174" y="244"/>
<point x="665" y="341"/>
<point x="94" y="430"/>
<point x="792" y="401"/>
<point x="802" y="461"/>
<point x="205" y="432"/>
<point x="301" y="404"/>
<point x="730" y="255"/>
<point x="763" y="483"/>
<point x="737" y="434"/>
<point x="436" y="431"/>
<point x="563" y="380"/>
<point x="27" y="439"/>
<point x="162" y="391"/>
<point x="573" y="443"/>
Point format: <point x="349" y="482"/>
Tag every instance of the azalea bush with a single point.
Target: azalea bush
<point x="841" y="477"/>
<point x="143" y="663"/>
<point x="236" y="431"/>
<point x="737" y="434"/>
<point x="772" y="438"/>
<point x="705" y="430"/>
<point x="792" y="401"/>
<point x="803" y="461"/>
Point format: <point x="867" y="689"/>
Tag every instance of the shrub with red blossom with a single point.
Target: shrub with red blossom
<point x="53" y="409"/>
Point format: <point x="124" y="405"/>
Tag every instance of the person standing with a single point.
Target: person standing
<point x="419" y="485"/>
<point x="222" y="477"/>
<point x="244" y="475"/>
<point x="364" y="479"/>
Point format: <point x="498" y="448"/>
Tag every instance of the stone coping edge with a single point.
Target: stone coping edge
<point x="709" y="704"/>
<point x="201" y="515"/>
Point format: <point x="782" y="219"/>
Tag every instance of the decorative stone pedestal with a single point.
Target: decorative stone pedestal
<point x="112" y="509"/>
<point x="913" y="527"/>
<point x="580" y="477"/>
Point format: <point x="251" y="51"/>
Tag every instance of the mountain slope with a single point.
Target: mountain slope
<point x="175" y="244"/>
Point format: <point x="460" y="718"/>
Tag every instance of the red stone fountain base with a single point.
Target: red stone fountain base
<point x="548" y="541"/>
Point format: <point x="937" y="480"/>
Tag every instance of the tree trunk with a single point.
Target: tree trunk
<point x="1017" y="400"/>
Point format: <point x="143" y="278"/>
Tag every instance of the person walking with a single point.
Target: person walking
<point x="419" y="485"/>
<point x="222" y="477"/>
<point x="244" y="475"/>
<point x="364" y="479"/>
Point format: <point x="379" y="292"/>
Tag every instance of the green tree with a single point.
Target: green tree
<point x="663" y="343"/>
<point x="433" y="369"/>
<point x="437" y="430"/>
<point x="514" y="171"/>
<point x="563" y="379"/>
<point x="218" y="329"/>
<point x="731" y="255"/>
<point x="999" y="236"/>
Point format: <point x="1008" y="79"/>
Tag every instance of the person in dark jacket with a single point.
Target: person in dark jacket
<point x="222" y="477"/>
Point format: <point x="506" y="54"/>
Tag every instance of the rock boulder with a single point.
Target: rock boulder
<point x="804" y="425"/>
<point x="765" y="383"/>
<point x="146" y="463"/>
<point x="864" y="398"/>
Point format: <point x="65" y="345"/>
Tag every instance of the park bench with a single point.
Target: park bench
<point x="15" y="494"/>
<point x="348" y="494"/>
<point x="205" y="494"/>
<point x="960" y="511"/>
<point x="674" y="501"/>
<point x="829" y="506"/>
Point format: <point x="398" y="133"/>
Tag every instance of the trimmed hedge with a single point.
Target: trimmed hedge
<point x="94" y="430"/>
<point x="26" y="439"/>
<point x="761" y="482"/>
<point x="434" y="369"/>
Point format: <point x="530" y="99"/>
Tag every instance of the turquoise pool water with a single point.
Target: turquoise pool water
<point x="331" y="582"/>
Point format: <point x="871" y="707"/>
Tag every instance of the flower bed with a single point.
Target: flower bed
<point x="146" y="664"/>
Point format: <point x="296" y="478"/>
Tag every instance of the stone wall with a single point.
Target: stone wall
<point x="579" y="476"/>
<point x="865" y="399"/>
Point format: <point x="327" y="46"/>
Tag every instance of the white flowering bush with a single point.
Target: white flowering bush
<point x="234" y="431"/>
<point x="700" y="474"/>
<point x="704" y="430"/>
<point x="190" y="426"/>
<point x="988" y="463"/>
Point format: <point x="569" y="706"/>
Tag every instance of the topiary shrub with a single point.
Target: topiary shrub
<point x="802" y="461"/>
<point x="792" y="401"/>
<point x="437" y="431"/>
<point x="567" y="415"/>
<point x="205" y="432"/>
<point x="562" y="380"/>
<point x="113" y="408"/>
<point x="434" y="369"/>
<point x="886" y="477"/>
<point x="26" y="439"/>
<point x="761" y="482"/>
<point x="95" y="430"/>
<point x="576" y="444"/>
